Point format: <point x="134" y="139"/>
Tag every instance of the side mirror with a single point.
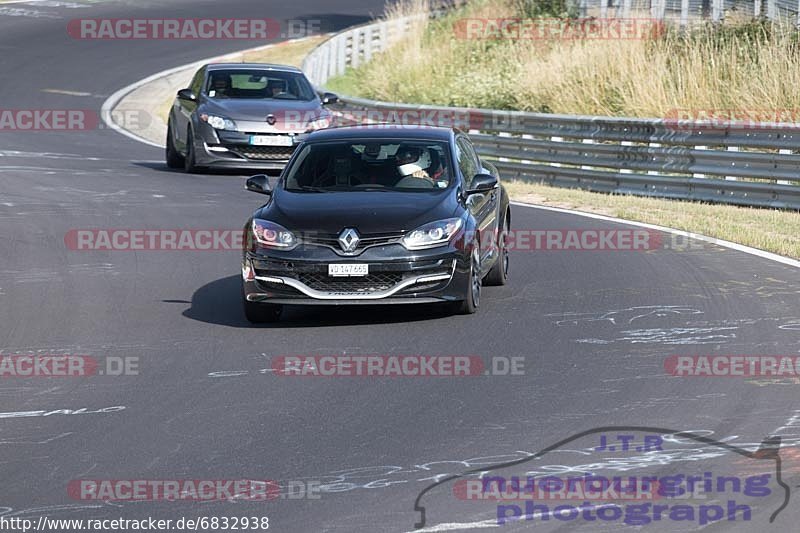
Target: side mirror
<point x="329" y="98"/>
<point x="258" y="183"/>
<point x="187" y="94"/>
<point x="483" y="183"/>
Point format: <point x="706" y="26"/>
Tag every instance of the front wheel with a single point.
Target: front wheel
<point x="174" y="158"/>
<point x="472" y="298"/>
<point x="190" y="162"/>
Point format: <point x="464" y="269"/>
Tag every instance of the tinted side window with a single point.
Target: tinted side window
<point x="466" y="161"/>
<point x="197" y="81"/>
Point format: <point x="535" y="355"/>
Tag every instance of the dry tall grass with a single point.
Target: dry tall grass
<point x="744" y="65"/>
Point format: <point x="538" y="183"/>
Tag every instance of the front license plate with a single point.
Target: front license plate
<point x="348" y="270"/>
<point x="271" y="140"/>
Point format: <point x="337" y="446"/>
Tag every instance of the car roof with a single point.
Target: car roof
<point x="383" y="131"/>
<point x="251" y="66"/>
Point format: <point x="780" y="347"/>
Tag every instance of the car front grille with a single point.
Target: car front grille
<point x="377" y="282"/>
<point x="277" y="153"/>
<point x="331" y="240"/>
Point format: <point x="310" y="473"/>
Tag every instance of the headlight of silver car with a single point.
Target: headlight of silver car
<point x="219" y="123"/>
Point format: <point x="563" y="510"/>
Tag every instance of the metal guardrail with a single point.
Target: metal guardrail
<point x="649" y="157"/>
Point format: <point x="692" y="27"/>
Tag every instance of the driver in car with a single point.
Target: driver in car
<point x="276" y="87"/>
<point x="220" y="86"/>
<point x="418" y="162"/>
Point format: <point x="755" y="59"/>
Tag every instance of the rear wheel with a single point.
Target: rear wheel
<point x="498" y="275"/>
<point x="472" y="298"/>
<point x="174" y="158"/>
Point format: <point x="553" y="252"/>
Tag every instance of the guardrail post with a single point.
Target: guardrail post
<point x="557" y="140"/>
<point x="588" y="141"/>
<point x="654" y="172"/>
<point x="772" y="10"/>
<point x="783" y="151"/>
<point x="604" y="9"/>
<point x="626" y="170"/>
<point x="684" y="13"/>
<point x="732" y="149"/>
<point x="333" y="53"/>
<point x="367" y="45"/>
<point x="696" y="175"/>
<point x="341" y="56"/>
<point x="626" y="8"/>
<point x="658" y="9"/>
<point x="355" y="50"/>
<point x="756" y="8"/>
<point x="716" y="10"/>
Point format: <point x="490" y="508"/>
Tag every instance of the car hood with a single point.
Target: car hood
<point x="257" y="110"/>
<point x="366" y="211"/>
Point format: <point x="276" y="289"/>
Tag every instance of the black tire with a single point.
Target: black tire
<point x="174" y="158"/>
<point x="498" y="275"/>
<point x="260" y="313"/>
<point x="472" y="298"/>
<point x="190" y="164"/>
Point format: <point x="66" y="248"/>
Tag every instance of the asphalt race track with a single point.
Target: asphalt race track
<point x="594" y="329"/>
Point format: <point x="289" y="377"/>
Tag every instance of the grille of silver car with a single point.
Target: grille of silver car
<point x="263" y="152"/>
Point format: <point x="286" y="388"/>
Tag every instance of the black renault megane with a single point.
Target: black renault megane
<point x="377" y="214"/>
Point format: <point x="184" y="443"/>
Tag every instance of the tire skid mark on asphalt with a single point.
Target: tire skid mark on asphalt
<point x="43" y="413"/>
<point x="628" y="315"/>
<point x="50" y="155"/>
<point x="24" y="441"/>
<point x="26" y="13"/>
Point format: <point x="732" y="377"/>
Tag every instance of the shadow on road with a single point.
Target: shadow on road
<point x="219" y="302"/>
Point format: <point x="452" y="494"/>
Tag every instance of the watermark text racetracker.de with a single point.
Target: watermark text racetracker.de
<point x="191" y="28"/>
<point x="733" y="366"/>
<point x="63" y="365"/>
<point x="70" y="120"/>
<point x="396" y="365"/>
<point x="549" y="29"/>
<point x="686" y="119"/>
<point x="137" y="239"/>
<point x="591" y="239"/>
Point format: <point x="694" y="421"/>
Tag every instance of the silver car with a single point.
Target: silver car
<point x="243" y="115"/>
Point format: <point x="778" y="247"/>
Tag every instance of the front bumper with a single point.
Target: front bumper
<point x="224" y="149"/>
<point x="395" y="276"/>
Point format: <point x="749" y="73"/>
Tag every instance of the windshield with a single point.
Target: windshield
<point x="357" y="165"/>
<point x="258" y="85"/>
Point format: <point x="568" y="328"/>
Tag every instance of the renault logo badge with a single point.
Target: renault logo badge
<point x="349" y="239"/>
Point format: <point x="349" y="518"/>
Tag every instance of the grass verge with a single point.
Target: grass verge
<point x="766" y="229"/>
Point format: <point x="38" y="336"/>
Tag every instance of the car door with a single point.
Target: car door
<point x="183" y="109"/>
<point x="483" y="206"/>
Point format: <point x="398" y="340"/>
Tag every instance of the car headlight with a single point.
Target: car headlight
<point x="273" y="235"/>
<point x="219" y="123"/>
<point x="319" y="123"/>
<point x="432" y="234"/>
